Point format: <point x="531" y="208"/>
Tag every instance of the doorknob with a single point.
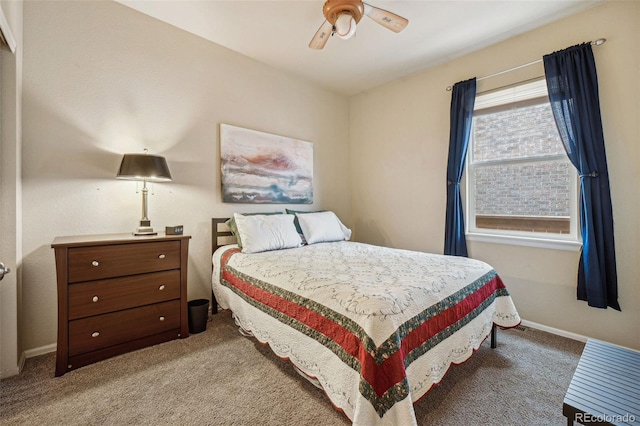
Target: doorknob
<point x="3" y="271"/>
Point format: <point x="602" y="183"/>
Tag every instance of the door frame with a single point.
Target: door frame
<point x="11" y="356"/>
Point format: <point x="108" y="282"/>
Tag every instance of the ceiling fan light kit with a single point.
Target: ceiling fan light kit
<point x="342" y="16"/>
<point x="345" y="26"/>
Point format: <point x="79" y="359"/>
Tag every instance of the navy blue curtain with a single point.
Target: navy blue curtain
<point x="573" y="92"/>
<point x="463" y="98"/>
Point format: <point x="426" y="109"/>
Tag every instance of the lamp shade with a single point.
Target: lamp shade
<point x="152" y="168"/>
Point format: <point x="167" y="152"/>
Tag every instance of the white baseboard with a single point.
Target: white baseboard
<point x="39" y="351"/>
<point x="556" y="331"/>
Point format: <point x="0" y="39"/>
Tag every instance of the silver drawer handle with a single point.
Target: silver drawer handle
<point x="95" y="299"/>
<point x="95" y="263"/>
<point x="161" y="287"/>
<point x="95" y="334"/>
<point x="162" y="256"/>
<point x="161" y="318"/>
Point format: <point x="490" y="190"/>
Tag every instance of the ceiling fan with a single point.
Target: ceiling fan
<point x="343" y="15"/>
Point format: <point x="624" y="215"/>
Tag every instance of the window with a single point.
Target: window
<point x="521" y="187"/>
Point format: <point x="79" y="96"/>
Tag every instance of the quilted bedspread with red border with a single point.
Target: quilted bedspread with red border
<point x="377" y="327"/>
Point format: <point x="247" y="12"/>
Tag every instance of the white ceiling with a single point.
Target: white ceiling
<point x="277" y="33"/>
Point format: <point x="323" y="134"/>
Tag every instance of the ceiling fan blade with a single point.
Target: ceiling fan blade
<point x="385" y="18"/>
<point x="322" y="35"/>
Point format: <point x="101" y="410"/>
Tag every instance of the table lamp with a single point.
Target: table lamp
<point x="147" y="168"/>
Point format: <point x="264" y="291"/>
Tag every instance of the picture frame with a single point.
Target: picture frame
<point x="264" y="168"/>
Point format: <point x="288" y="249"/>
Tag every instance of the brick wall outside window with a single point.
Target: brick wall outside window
<point x="508" y="195"/>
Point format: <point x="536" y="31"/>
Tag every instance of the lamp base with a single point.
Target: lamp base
<point x="138" y="233"/>
<point x="145" y="228"/>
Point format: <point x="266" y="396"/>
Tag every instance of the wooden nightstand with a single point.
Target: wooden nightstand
<point x="118" y="293"/>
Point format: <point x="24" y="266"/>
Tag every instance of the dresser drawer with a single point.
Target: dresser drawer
<point x="94" y="263"/>
<point x="105" y="330"/>
<point x="116" y="294"/>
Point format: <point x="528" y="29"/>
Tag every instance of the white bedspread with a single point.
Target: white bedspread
<point x="377" y="327"/>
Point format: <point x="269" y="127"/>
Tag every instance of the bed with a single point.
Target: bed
<point x="374" y="327"/>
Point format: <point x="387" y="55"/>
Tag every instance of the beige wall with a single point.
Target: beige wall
<point x="398" y="149"/>
<point x="101" y="79"/>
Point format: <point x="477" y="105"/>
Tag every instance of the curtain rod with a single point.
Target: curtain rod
<point x="598" y="42"/>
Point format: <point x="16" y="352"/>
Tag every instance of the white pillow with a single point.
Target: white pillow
<point x="322" y="227"/>
<point x="267" y="232"/>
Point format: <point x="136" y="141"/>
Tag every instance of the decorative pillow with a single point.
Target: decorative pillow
<point x="322" y="227"/>
<point x="266" y="232"/>
<point x="231" y="223"/>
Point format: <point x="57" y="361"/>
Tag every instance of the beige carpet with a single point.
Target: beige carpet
<point x="219" y="377"/>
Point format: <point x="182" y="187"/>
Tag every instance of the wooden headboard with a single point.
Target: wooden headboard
<point x="220" y="233"/>
<point x="220" y="236"/>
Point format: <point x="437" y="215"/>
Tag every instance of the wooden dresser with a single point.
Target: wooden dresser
<point x="118" y="293"/>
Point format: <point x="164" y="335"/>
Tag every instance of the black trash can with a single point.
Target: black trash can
<point x="198" y="314"/>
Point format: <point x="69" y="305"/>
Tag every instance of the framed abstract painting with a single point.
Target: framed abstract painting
<point x="260" y="167"/>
